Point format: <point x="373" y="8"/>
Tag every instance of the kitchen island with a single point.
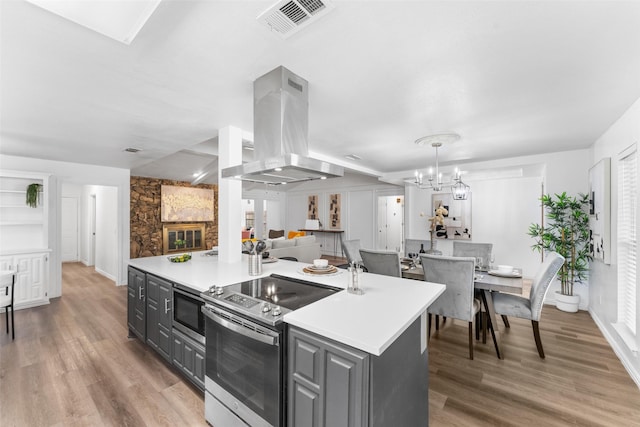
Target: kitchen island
<point x="378" y="325"/>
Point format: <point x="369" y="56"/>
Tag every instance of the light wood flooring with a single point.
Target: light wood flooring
<point x="72" y="364"/>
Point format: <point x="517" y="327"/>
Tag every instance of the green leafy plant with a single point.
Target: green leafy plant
<point x="567" y="233"/>
<point x="180" y="243"/>
<point x="32" y="194"/>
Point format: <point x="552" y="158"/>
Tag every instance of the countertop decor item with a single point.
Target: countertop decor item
<point x="32" y="194"/>
<point x="179" y="258"/>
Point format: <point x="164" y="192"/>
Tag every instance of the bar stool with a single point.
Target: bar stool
<point x="7" y="284"/>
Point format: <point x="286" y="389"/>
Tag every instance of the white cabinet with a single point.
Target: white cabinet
<point x="31" y="278"/>
<point x="24" y="236"/>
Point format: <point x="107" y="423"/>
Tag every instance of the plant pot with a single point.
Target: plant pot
<point x="568" y="303"/>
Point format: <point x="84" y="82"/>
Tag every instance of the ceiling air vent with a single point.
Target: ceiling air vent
<point x="289" y="16"/>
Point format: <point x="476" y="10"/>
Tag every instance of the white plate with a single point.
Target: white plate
<point x="314" y="268"/>
<point x="320" y="274"/>
<point x="513" y="274"/>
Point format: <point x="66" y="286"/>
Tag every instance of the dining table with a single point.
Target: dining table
<point x="486" y="282"/>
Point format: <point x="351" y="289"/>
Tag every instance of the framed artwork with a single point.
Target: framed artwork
<point x="600" y="211"/>
<point x="334" y="211"/>
<point x="457" y="220"/>
<point x="186" y="204"/>
<point x="312" y="210"/>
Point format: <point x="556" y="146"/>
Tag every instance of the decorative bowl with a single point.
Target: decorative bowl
<point x="179" y="258"/>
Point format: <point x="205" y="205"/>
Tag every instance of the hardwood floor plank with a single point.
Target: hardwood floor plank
<point x="72" y="364"/>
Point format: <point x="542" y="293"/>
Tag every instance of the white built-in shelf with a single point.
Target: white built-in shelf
<point x="23" y="222"/>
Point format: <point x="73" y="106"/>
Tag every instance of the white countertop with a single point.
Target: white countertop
<point x="369" y="322"/>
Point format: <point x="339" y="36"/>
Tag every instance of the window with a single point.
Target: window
<point x="627" y="245"/>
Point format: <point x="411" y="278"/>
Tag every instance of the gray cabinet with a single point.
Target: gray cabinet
<point x="333" y="384"/>
<point x="136" y="303"/>
<point x="189" y="357"/>
<point x="158" y="319"/>
<point x="328" y="382"/>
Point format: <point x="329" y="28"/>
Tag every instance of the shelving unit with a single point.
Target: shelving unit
<point x="24" y="245"/>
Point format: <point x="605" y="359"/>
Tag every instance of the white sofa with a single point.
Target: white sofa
<point x="304" y="248"/>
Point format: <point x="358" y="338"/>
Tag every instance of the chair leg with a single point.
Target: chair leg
<point x="13" y="326"/>
<point x="437" y="322"/>
<point x="429" y="327"/>
<point x="505" y="320"/>
<point x="6" y="316"/>
<point x="478" y="323"/>
<point x="471" y="340"/>
<point x="536" y="336"/>
<point x="444" y="320"/>
<point x="484" y="316"/>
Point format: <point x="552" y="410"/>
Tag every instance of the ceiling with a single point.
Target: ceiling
<point x="512" y="78"/>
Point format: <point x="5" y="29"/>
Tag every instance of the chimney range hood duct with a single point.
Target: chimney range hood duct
<point x="281" y="127"/>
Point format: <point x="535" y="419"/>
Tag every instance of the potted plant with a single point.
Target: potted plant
<point x="32" y="194"/>
<point x="567" y="233"/>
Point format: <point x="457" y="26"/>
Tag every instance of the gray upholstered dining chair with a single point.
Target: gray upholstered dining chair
<point x="412" y="246"/>
<point x="351" y="249"/>
<point x="7" y="286"/>
<point x="476" y="250"/>
<point x="386" y="263"/>
<point x="457" y="301"/>
<point x="530" y="308"/>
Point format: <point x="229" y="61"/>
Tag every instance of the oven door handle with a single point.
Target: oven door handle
<point x="242" y="330"/>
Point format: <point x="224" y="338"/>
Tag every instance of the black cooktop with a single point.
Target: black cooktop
<point x="283" y="291"/>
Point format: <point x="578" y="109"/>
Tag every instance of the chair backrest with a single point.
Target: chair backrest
<point x="472" y="249"/>
<point x="386" y="263"/>
<point x="457" y="273"/>
<point x="413" y="246"/>
<point x="351" y="249"/>
<point x="553" y="262"/>
<point x="7" y="283"/>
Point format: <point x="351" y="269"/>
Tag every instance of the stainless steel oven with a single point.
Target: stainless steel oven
<point x="244" y="368"/>
<point x="246" y="348"/>
<point x="188" y="317"/>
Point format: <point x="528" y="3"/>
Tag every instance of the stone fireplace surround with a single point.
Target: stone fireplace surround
<point x="146" y="227"/>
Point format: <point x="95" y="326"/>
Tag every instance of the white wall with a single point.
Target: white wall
<point x="79" y="174"/>
<point x="603" y="284"/>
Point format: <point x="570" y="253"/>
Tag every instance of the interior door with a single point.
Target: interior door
<point x="69" y="229"/>
<point x="390" y="223"/>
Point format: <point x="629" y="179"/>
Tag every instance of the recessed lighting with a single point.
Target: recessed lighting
<point x="323" y="177"/>
<point x="352" y="157"/>
<point x="196" y="174"/>
<point x="278" y="169"/>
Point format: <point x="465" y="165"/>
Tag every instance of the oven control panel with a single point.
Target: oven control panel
<point x="242" y="301"/>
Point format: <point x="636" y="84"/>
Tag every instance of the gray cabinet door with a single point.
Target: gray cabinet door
<point x="328" y="382"/>
<point x="189" y="357"/>
<point x="136" y="300"/>
<point x="159" y="303"/>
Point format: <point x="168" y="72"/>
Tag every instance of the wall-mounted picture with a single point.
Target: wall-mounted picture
<point x="312" y="209"/>
<point x="186" y="204"/>
<point x="600" y="211"/>
<point x="457" y="219"/>
<point x="334" y="211"/>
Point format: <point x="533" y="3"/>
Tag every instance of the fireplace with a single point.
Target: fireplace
<point x="191" y="236"/>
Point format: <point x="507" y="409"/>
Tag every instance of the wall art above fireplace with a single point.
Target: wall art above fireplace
<point x="186" y="204"/>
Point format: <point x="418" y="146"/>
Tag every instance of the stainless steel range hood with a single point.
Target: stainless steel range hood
<point x="281" y="128"/>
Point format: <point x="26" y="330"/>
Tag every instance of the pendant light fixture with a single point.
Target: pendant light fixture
<point x="459" y="190"/>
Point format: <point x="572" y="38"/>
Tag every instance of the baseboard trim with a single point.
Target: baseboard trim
<point x="105" y="274"/>
<point x="626" y="362"/>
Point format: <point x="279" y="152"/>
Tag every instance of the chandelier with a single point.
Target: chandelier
<point x="459" y="190"/>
